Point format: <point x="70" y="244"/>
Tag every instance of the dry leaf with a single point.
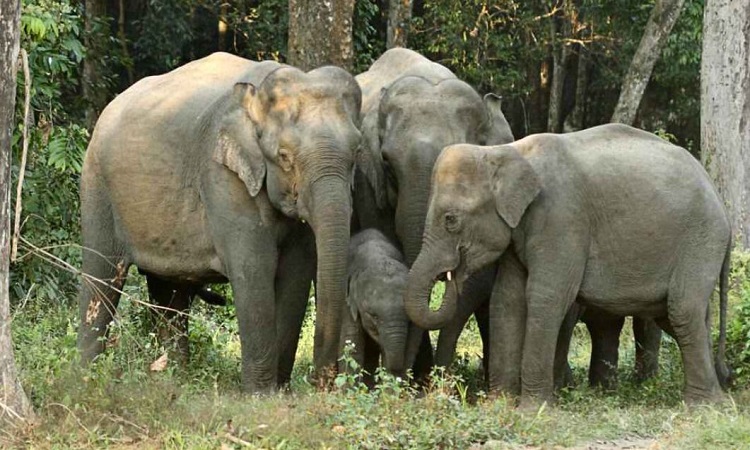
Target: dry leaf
<point x="160" y="364"/>
<point x="338" y="429"/>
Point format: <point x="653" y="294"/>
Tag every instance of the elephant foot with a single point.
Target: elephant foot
<point x="697" y="398"/>
<point x="324" y="378"/>
<point x="533" y="405"/>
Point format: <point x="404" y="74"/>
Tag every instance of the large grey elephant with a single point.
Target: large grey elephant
<point x="226" y="170"/>
<point x="375" y="320"/>
<point x="411" y="109"/>
<point x="612" y="217"/>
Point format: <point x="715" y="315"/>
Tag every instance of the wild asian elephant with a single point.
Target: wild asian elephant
<point x="411" y="109"/>
<point x="231" y="170"/>
<point x="611" y="217"/>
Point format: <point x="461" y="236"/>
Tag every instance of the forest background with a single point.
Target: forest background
<point x="559" y="66"/>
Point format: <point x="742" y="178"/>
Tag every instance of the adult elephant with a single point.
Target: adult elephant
<point x="225" y="170"/>
<point x="612" y="217"/>
<point x="411" y="109"/>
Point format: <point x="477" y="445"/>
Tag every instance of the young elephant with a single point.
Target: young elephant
<point x="376" y="321"/>
<point x="612" y="217"/>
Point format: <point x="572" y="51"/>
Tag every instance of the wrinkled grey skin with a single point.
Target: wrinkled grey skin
<point x="226" y="169"/>
<point x="411" y="109"/>
<point x="612" y="217"/>
<point x="375" y="319"/>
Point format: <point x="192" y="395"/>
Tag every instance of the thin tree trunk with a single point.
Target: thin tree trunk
<point x="223" y="11"/>
<point x="95" y="9"/>
<point x="320" y="33"/>
<point x="575" y="119"/>
<point x="659" y="25"/>
<point x="725" y="107"/>
<point x="122" y="35"/>
<point x="560" y="54"/>
<point x="399" y="17"/>
<point x="14" y="405"/>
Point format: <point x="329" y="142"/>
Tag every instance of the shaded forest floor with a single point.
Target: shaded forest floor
<point x="122" y="403"/>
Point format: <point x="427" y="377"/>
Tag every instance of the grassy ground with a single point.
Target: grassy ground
<point x="121" y="403"/>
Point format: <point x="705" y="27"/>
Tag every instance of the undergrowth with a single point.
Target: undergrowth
<point x="119" y="402"/>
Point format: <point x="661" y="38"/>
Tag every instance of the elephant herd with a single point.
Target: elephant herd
<point x="375" y="187"/>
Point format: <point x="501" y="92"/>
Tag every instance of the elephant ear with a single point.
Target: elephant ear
<point x="237" y="146"/>
<point x="495" y="130"/>
<point x="369" y="159"/>
<point x="353" y="296"/>
<point x="513" y="181"/>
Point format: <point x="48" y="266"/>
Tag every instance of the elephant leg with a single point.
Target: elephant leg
<point x="605" y="332"/>
<point x="105" y="269"/>
<point x="507" y="320"/>
<point x="688" y="313"/>
<point x="170" y="314"/>
<point x="482" y="315"/>
<point x="371" y="361"/>
<point x="293" y="279"/>
<point x="424" y="361"/>
<point x="550" y="291"/>
<point x="243" y="230"/>
<point x="476" y="292"/>
<point x="563" y="372"/>
<point x="647" y="343"/>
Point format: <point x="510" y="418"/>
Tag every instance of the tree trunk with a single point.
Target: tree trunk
<point x="14" y="405"/>
<point x="659" y="25"/>
<point x="92" y="92"/>
<point x="560" y="54"/>
<point x="399" y="17"/>
<point x="725" y="107"/>
<point x="320" y="33"/>
<point x="576" y="118"/>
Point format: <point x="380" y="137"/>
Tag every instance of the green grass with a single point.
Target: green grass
<point x="120" y="403"/>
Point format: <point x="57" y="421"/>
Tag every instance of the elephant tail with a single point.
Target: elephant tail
<point x="210" y="297"/>
<point x="723" y="371"/>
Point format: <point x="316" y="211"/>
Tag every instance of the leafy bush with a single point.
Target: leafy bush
<point x="738" y="331"/>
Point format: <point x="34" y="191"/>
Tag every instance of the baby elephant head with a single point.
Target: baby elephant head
<point x="479" y="195"/>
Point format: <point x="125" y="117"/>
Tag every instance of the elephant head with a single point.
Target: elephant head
<point x="479" y="196"/>
<point x="415" y="119"/>
<point x="296" y="133"/>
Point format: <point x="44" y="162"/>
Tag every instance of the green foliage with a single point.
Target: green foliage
<point x="368" y="43"/>
<point x="738" y="331"/>
<point x="164" y="35"/>
<point x="51" y="33"/>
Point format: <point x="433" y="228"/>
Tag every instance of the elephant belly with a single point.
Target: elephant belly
<point x="165" y="232"/>
<point x="626" y="292"/>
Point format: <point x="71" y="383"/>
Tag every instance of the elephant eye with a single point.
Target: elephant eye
<point x="286" y="161"/>
<point x="451" y="222"/>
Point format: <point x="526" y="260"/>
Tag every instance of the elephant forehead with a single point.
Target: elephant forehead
<point x="453" y="166"/>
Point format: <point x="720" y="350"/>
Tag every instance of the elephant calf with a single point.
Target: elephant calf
<point x="611" y="217"/>
<point x="376" y="321"/>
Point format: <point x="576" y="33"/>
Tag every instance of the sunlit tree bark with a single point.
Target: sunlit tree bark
<point x="320" y="33"/>
<point x="399" y="16"/>
<point x="725" y="107"/>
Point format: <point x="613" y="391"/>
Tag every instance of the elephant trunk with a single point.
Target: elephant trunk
<point x="417" y="300"/>
<point x="411" y="211"/>
<point x="393" y="341"/>
<point x="330" y="216"/>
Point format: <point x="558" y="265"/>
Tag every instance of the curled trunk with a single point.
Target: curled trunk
<point x="417" y="299"/>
